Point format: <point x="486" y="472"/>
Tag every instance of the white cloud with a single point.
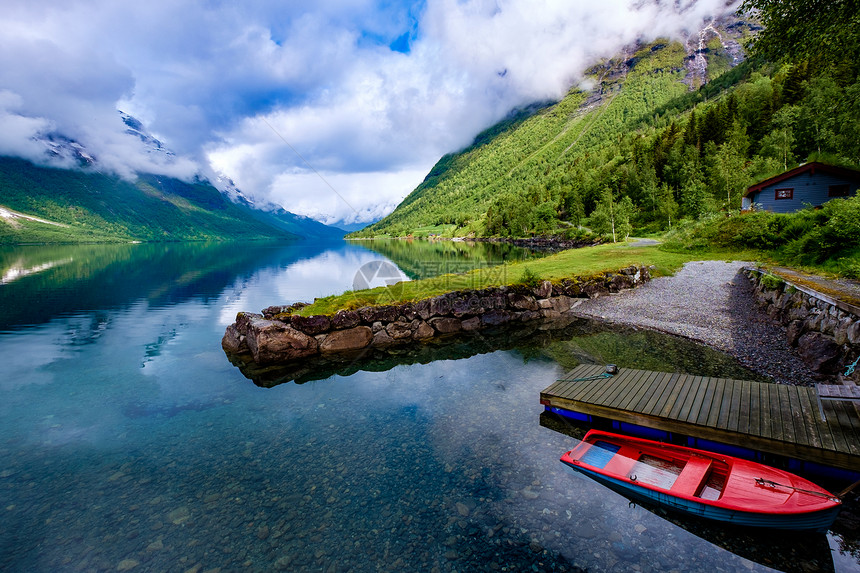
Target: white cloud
<point x="227" y="84"/>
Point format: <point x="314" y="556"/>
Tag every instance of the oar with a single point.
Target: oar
<point x="845" y="491"/>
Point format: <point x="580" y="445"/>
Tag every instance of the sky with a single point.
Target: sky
<point x="333" y="109"/>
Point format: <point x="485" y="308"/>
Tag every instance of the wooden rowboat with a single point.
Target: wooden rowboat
<point x="701" y="483"/>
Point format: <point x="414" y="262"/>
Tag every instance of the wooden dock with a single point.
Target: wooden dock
<point x="773" y="418"/>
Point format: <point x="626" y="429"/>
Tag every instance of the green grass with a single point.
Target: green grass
<point x="584" y="262"/>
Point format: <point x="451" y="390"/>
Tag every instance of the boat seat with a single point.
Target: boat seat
<point x="623" y="461"/>
<point x="694" y="473"/>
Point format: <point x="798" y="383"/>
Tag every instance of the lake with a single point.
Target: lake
<point x="129" y="442"/>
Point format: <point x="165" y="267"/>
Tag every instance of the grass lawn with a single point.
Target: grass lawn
<point x="584" y="262"/>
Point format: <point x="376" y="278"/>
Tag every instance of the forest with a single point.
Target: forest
<point x="643" y="152"/>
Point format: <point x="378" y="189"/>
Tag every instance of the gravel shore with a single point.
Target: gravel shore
<point x="711" y="302"/>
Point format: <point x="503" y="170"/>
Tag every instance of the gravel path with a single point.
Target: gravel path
<point x="713" y="303"/>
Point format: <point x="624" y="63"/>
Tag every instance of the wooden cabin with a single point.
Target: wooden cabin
<point x="810" y="184"/>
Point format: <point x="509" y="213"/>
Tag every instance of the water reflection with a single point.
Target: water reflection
<point x="129" y="442"/>
<point x="569" y="342"/>
<point x="421" y="258"/>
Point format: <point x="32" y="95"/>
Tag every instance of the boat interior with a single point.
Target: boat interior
<point x="695" y="475"/>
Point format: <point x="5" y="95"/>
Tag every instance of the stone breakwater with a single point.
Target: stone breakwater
<point x="825" y="331"/>
<point x="278" y="335"/>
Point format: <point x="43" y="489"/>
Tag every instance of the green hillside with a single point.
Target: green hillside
<point x="78" y="206"/>
<point x="641" y="150"/>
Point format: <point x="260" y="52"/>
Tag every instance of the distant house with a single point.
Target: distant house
<point x="810" y="184"/>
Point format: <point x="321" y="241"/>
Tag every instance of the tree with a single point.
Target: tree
<point x="612" y="217"/>
<point x="667" y="207"/>
<point x="801" y="29"/>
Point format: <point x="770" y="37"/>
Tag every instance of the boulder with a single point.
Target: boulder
<point x="854" y="333"/>
<point x="350" y="339"/>
<point x="522" y="302"/>
<point x="382" y="338"/>
<point x="620" y="282"/>
<point x="820" y="352"/>
<point x="793" y="332"/>
<point x="345" y="319"/>
<point x="422" y="309"/>
<point x="544" y="290"/>
<point x="408" y="312"/>
<point x="316" y="324"/>
<point x="399" y="330"/>
<point x="423" y="331"/>
<point x="273" y="341"/>
<point x="233" y="341"/>
<point x="471" y="324"/>
<point x="594" y="289"/>
<point x="444" y="325"/>
<point x="496" y="317"/>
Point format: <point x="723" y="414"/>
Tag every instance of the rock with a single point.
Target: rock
<point x="440" y="305"/>
<point x="316" y="324"/>
<point x="408" y="312"/>
<point x="528" y="315"/>
<point x="381" y="338"/>
<point x="854" y="333"/>
<point x="233" y="342"/>
<point x="620" y="282"/>
<point x="562" y="303"/>
<point x="127" y="565"/>
<point x="471" y="324"/>
<point x="544" y="304"/>
<point x="423" y="331"/>
<point x="422" y="309"/>
<point x="522" y="302"/>
<point x="345" y="319"/>
<point x="793" y="332"/>
<point x="444" y="325"/>
<point x="594" y="289"/>
<point x="462" y="509"/>
<point x="179" y="516"/>
<point x="273" y="341"/>
<point x="529" y="493"/>
<point x="399" y="330"/>
<point x="544" y="290"/>
<point x="262" y="532"/>
<point x="496" y="317"/>
<point x="820" y="352"/>
<point x="349" y="339"/>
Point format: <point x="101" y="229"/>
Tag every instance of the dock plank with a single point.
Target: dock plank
<point x="754" y="427"/>
<point x="698" y="406"/>
<point x="716" y="403"/>
<point x="768" y="417"/>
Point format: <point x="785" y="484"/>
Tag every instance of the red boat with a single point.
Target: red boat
<point x="701" y="483"/>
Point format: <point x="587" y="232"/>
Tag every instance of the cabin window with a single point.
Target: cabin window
<point x="784" y="193"/>
<point x="838" y="191"/>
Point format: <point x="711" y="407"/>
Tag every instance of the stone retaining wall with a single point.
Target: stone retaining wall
<point x="825" y="331"/>
<point x="277" y="335"/>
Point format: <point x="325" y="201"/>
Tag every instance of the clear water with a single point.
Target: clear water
<point x="128" y="442"/>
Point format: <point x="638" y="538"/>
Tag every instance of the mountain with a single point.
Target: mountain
<point x="41" y="204"/>
<point x="546" y="166"/>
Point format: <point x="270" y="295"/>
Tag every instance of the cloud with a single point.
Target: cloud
<point x="370" y="94"/>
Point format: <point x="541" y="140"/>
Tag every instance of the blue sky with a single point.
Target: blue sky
<point x="369" y="94"/>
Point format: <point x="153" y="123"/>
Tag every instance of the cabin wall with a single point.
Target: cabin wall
<point x="808" y="189"/>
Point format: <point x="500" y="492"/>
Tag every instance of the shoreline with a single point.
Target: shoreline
<point x="713" y="303"/>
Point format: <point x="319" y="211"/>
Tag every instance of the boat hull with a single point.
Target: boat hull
<point x="816" y="521"/>
<point x="703" y="484"/>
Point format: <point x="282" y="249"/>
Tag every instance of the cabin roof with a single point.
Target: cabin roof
<point x="813" y="167"/>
